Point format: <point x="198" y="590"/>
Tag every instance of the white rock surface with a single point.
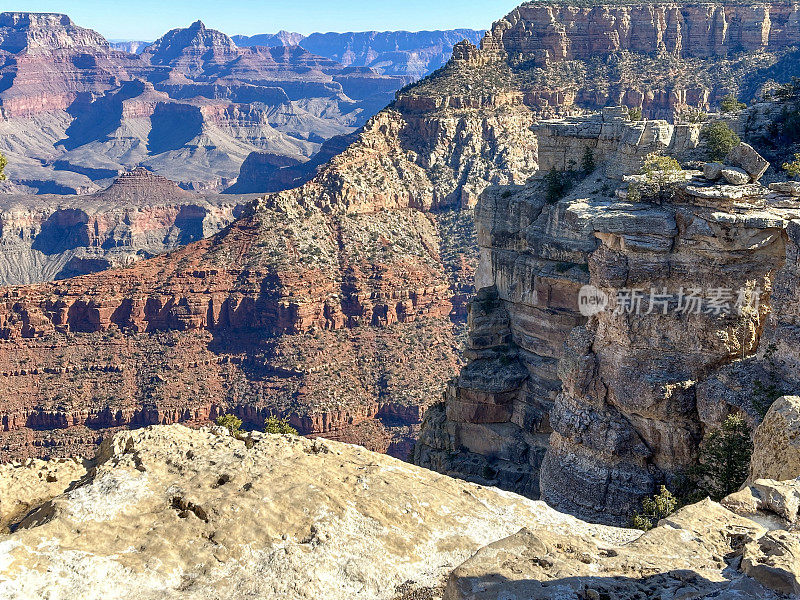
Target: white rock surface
<point x="178" y="513"/>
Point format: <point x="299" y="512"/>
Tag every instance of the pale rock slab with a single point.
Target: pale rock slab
<point x="776" y="453"/>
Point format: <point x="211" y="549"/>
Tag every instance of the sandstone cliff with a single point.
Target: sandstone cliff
<point x="592" y="412"/>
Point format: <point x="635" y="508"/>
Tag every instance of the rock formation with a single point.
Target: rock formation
<point x="321" y="304"/>
<point x="777" y="442"/>
<point x="140" y="215"/>
<point x="214" y="516"/>
<point x="591" y="410"/>
<point x="191" y="107"/>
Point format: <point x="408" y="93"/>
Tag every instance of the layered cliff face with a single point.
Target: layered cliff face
<point x="140" y="215"/>
<point x="666" y="58"/>
<point x="591" y="410"/>
<point x="322" y="305"/>
<point x="292" y="311"/>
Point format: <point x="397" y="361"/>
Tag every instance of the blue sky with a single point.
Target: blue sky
<point x="149" y="19"/>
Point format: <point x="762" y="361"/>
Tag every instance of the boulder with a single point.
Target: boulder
<point x="776" y="443"/>
<point x="712" y="171"/>
<point x="786" y="187"/>
<point x="684" y="557"/>
<point x="735" y="176"/>
<point x="746" y="158"/>
<point x="774" y="560"/>
<point x="767" y="500"/>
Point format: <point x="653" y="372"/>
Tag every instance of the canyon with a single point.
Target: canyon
<point x="404" y="53"/>
<point x="191" y="106"/>
<point x="341" y="304"/>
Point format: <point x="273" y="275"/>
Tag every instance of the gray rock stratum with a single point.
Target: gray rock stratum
<point x="170" y="512"/>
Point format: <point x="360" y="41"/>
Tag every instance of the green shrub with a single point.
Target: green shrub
<point x="731" y="104"/>
<point x="233" y="424"/>
<point x="792" y="168"/>
<point x="587" y="162"/>
<point x="273" y="424"/>
<point x="720" y="139"/>
<point x="556" y="186"/>
<point x="655" y="508"/>
<point x="657" y="167"/>
<point x="661" y="173"/>
<point x="724" y="459"/>
<point x="635" y="113"/>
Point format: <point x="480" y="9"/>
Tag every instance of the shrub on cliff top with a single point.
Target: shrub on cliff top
<point x="232" y="423"/>
<point x="792" y="168"/>
<point x="661" y="173"/>
<point x="731" y="104"/>
<point x="655" y="508"/>
<point x="273" y="424"/>
<point x="720" y="139"/>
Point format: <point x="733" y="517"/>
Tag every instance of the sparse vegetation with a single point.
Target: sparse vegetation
<point x="731" y="104"/>
<point x="655" y="508"/>
<point x="720" y="139"/>
<point x="3" y="164"/>
<point x="557" y="184"/>
<point x="273" y="424"/>
<point x="792" y="167"/>
<point x="587" y="162"/>
<point x="635" y="113"/>
<point x="661" y="173"/>
<point x="232" y="423"/>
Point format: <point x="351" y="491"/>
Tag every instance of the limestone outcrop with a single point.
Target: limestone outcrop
<point x="591" y="406"/>
<point x="169" y="512"/>
<point x="215" y="517"/>
<point x="534" y="565"/>
<point x="776" y="442"/>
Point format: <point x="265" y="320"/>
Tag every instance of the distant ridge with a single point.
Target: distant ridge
<point x="414" y="54"/>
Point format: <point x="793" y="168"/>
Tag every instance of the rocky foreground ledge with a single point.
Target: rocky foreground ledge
<point x="169" y="511"/>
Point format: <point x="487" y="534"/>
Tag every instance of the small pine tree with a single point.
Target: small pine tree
<point x="654" y="509"/>
<point x="233" y="424"/>
<point x="792" y="168"/>
<point x="720" y="139"/>
<point x="273" y="424"/>
<point x="731" y="104"/>
<point x="3" y="164"/>
<point x="587" y="162"/>
<point x="635" y="113"/>
<point x="556" y="186"/>
<point x="725" y="458"/>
